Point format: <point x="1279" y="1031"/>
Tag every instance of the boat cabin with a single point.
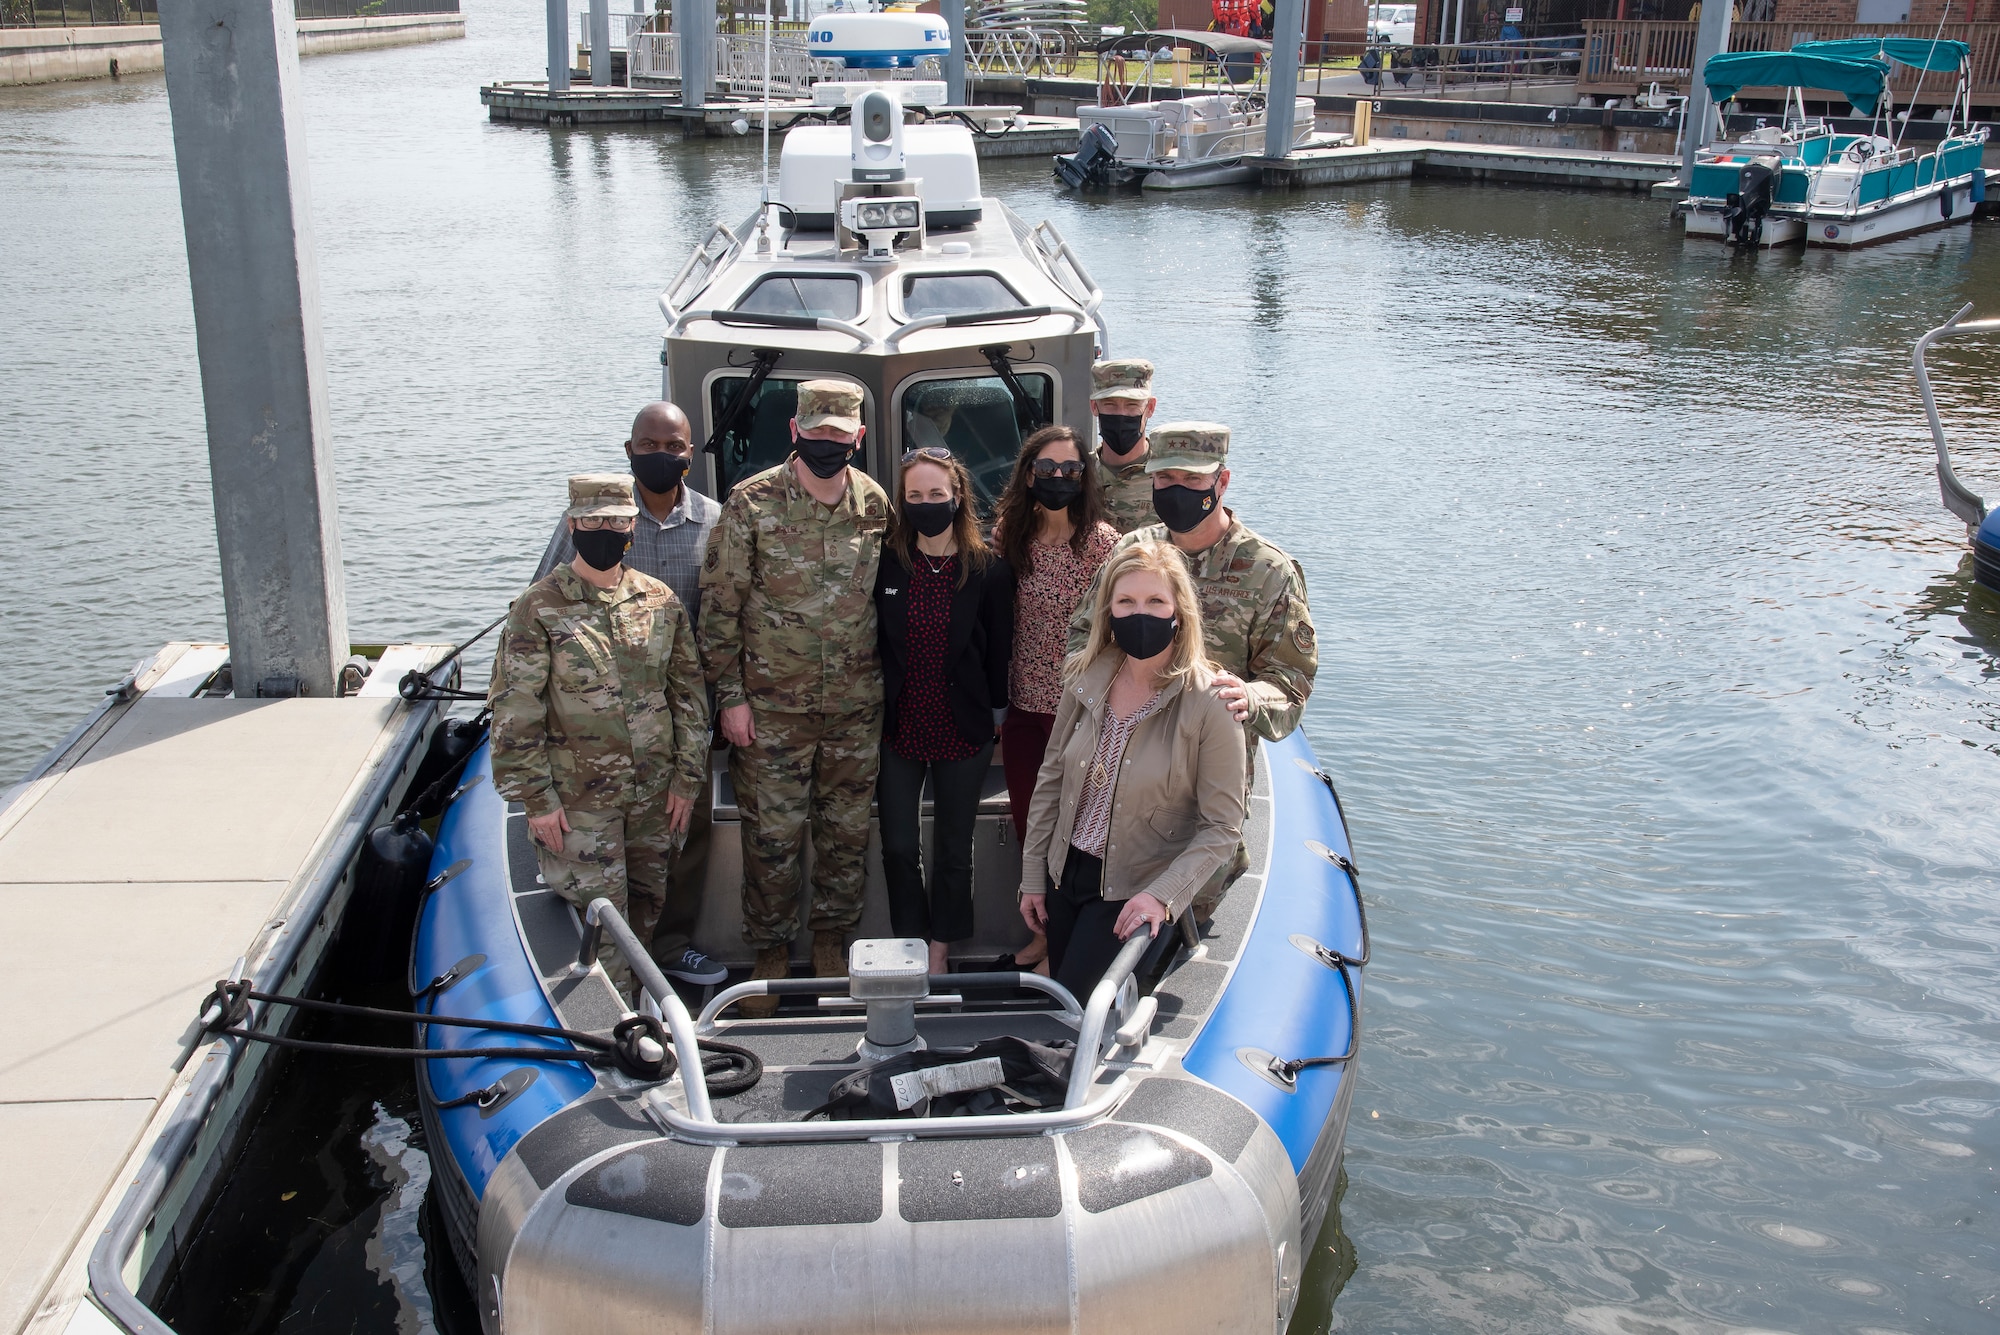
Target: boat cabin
<point x="881" y="262"/>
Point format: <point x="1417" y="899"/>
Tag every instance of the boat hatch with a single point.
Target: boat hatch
<point x="825" y="296"/>
<point x="759" y="434"/>
<point x="981" y="419"/>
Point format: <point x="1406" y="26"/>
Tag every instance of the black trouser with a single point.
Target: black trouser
<point x="1082" y="943"/>
<point x="945" y="914"/>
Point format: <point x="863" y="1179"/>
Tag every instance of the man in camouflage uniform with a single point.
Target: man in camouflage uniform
<point x="1121" y="394"/>
<point x="788" y="639"/>
<point x="600" y="722"/>
<point x="1255" y="620"/>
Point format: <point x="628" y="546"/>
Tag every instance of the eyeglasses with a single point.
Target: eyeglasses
<point x="938" y="452"/>
<point x="1051" y="468"/>
<point x="593" y="523"/>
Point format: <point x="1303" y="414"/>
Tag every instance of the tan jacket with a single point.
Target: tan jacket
<point x="1177" y="810"/>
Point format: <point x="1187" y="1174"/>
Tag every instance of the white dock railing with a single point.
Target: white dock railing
<point x="739" y="62"/>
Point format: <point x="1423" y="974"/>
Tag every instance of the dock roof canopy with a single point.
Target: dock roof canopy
<point x="1221" y="43"/>
<point x="1921" y="53"/>
<point x="1860" y="81"/>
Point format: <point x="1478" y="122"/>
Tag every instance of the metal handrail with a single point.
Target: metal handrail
<point x="1058" y="247"/>
<point x="1958" y="498"/>
<point x="780" y="987"/>
<point x="667" y="307"/>
<point x="765" y="320"/>
<point x="1090" y="1034"/>
<point x="604" y="916"/>
<point x="106" y="1269"/>
<point x="893" y="342"/>
<point x="1078" y="1106"/>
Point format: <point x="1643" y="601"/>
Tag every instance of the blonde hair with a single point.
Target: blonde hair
<point x="1189" y="663"/>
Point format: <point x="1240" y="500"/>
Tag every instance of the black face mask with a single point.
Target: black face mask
<point x="825" y="457"/>
<point x="1055" y="493"/>
<point x="601" y="548"/>
<point x="1183" y="508"/>
<point x="1120" y="433"/>
<point x="931" y="518"/>
<point x="1142" y="636"/>
<point x="659" y="472"/>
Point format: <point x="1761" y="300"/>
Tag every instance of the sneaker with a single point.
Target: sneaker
<point x="691" y="966"/>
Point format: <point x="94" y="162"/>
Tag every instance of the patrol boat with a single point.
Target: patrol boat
<point x="974" y="1151"/>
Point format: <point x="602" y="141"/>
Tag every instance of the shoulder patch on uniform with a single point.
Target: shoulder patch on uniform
<point x="713" y="559"/>
<point x="1302" y="636"/>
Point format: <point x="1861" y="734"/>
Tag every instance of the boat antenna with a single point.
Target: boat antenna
<point x="1919" y="90"/>
<point x="768" y="25"/>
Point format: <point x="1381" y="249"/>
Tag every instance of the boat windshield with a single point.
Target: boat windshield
<point x="955" y="294"/>
<point x="824" y="296"/>
<point x="976" y="418"/>
<point x="761" y="436"/>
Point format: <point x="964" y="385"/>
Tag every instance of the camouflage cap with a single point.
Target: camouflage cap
<point x="608" y="495"/>
<point x="834" y="403"/>
<point x="1121" y="378"/>
<point x="1195" y="447"/>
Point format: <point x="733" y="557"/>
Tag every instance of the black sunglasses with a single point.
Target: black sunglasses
<point x="1051" y="468"/>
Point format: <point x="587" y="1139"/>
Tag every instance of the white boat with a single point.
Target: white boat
<point x="1803" y="181"/>
<point x="1179" y="143"/>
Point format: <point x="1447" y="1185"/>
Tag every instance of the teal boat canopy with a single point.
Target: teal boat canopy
<point x="1860" y="81"/>
<point x="1916" y="52"/>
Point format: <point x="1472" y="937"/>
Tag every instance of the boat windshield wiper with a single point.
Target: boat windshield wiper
<point x="760" y="371"/>
<point x="1027" y="411"/>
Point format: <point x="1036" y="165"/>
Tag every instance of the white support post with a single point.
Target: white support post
<point x="600" y="43"/>
<point x="1281" y="91"/>
<point x="954" y="65"/>
<point x="559" y="55"/>
<point x="1711" y="38"/>
<point x="232" y="71"/>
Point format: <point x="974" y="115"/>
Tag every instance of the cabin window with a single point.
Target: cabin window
<point x="822" y="296"/>
<point x="977" y="418"/>
<point x="955" y="294"/>
<point x="761" y="436"/>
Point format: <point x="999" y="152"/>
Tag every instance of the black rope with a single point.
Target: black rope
<point x="726" y="1068"/>
<point x="1288" y="1071"/>
<point x="421" y="685"/>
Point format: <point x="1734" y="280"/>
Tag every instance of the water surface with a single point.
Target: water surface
<point x="1659" y="694"/>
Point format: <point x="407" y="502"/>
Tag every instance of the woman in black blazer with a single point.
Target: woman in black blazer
<point x="944" y="606"/>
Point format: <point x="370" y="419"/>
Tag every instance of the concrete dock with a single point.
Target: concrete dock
<point x="174" y="832"/>
<point x="55" y="55"/>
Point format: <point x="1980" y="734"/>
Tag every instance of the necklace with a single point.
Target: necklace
<point x="936" y="564"/>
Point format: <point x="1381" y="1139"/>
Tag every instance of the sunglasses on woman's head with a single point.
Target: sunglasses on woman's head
<point x="1051" y="468"/>
<point x="926" y="452"/>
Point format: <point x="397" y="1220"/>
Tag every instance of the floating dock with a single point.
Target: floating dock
<point x="175" y="832"/>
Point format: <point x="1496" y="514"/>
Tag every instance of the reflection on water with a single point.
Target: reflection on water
<point x="1652" y="672"/>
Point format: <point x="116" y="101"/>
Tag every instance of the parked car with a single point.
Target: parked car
<point x="1392" y="23"/>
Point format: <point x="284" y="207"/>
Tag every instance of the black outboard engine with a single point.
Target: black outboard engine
<point x="1091" y="165"/>
<point x="1744" y="208"/>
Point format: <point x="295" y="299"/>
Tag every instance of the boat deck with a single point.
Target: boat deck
<point x="167" y="837"/>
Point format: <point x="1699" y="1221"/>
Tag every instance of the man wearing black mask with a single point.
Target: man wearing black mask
<point x="1121" y="394"/>
<point x="1255" y="620"/>
<point x="669" y="538"/>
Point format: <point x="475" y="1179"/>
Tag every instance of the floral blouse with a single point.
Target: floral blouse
<point x="1044" y="601"/>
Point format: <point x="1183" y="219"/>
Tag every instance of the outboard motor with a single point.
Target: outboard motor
<point x="1090" y="166"/>
<point x="1744" y="208"/>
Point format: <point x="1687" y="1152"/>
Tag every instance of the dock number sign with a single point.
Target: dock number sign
<point x="1514" y="15"/>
